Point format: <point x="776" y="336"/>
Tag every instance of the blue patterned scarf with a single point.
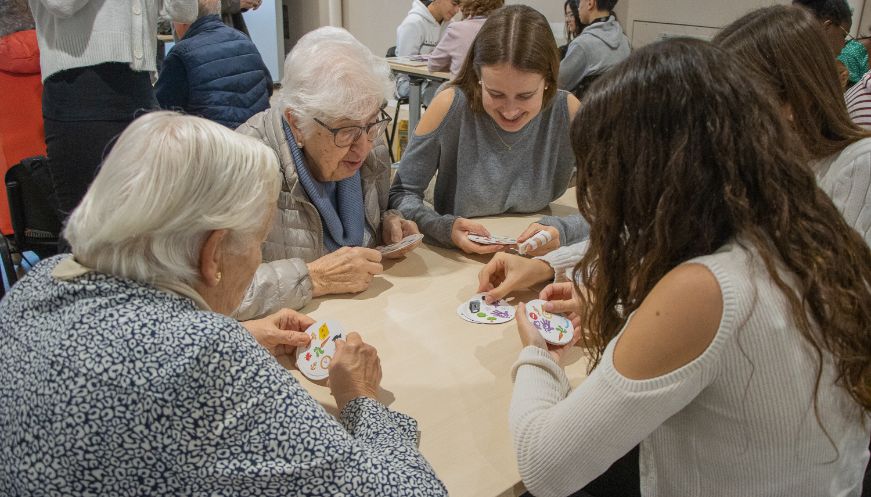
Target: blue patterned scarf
<point x="342" y="215"/>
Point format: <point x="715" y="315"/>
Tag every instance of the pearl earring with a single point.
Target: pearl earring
<point x="218" y="276"/>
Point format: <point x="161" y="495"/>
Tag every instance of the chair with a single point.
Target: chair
<point x="585" y="85"/>
<point x="391" y="52"/>
<point x="34" y="215"/>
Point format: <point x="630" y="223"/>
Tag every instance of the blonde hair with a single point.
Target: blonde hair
<point x="168" y="182"/>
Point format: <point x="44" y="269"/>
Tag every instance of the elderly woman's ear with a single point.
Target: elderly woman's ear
<point x="297" y="134"/>
<point x="211" y="259"/>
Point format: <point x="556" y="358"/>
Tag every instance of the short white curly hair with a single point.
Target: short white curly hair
<point x="329" y="75"/>
<point x="168" y="182"/>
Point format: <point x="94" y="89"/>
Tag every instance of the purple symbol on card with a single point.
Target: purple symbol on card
<point x="544" y="325"/>
<point x="499" y="313"/>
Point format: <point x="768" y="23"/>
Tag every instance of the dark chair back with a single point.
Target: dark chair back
<point x="391" y="52"/>
<point x="584" y="85"/>
<point x="34" y="215"/>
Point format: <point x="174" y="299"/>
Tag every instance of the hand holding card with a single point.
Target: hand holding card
<point x="530" y="335"/>
<point x="402" y="247"/>
<point x="460" y="236"/>
<point x="355" y="370"/>
<point x="314" y="360"/>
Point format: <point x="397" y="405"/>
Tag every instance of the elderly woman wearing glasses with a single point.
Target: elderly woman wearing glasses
<point x="327" y="132"/>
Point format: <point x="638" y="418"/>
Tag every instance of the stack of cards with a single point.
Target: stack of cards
<point x="314" y="361"/>
<point x="401" y="244"/>
<point x="492" y="240"/>
<point x="475" y="310"/>
<point x="555" y="328"/>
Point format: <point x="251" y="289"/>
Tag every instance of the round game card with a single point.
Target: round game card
<point x="314" y="361"/>
<point x="555" y="328"/>
<point x="475" y="310"/>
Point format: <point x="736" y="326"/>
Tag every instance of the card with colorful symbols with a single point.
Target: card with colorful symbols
<point x="555" y="328"/>
<point x="476" y="310"/>
<point x="401" y="244"/>
<point x="491" y="240"/>
<point x="314" y="361"/>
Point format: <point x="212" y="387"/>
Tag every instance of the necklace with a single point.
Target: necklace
<point x="499" y="135"/>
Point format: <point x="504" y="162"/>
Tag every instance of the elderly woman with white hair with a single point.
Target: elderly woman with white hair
<point x="122" y="373"/>
<point x="327" y="131"/>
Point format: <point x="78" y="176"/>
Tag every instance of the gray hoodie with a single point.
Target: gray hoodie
<point x="599" y="47"/>
<point x="418" y="34"/>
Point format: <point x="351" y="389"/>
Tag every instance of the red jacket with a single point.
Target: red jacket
<point x="21" y="128"/>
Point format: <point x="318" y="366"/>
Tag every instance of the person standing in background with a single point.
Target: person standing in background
<point x="419" y="33"/>
<point x="96" y="60"/>
<point x="232" y="10"/>
<point x="21" y="132"/>
<point x="451" y="50"/>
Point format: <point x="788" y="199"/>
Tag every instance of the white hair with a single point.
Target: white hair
<point x="168" y="182"/>
<point x="208" y="7"/>
<point x="329" y="75"/>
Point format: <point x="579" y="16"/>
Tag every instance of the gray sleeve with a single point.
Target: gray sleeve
<point x="408" y="42"/>
<point x="573" y="67"/>
<point x="184" y="11"/>
<point x="572" y="229"/>
<point x="418" y="166"/>
<point x="276" y="285"/>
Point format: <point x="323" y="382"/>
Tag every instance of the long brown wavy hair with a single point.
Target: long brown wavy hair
<point x="515" y="34"/>
<point x="679" y="152"/>
<point x="785" y="49"/>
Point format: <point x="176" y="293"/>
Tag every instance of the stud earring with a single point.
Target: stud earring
<point x="218" y="276"/>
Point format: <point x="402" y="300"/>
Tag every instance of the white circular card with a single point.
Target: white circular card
<point x="555" y="328"/>
<point x="314" y="361"/>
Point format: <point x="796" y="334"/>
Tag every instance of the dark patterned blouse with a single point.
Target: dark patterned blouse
<point x="112" y="387"/>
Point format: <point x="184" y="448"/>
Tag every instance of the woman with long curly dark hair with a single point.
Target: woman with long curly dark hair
<point x="726" y="306"/>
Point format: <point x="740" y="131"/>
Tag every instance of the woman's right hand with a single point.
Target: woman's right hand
<point x="355" y="370"/>
<point x="460" y="236"/>
<point x="508" y="272"/>
<point x="347" y="270"/>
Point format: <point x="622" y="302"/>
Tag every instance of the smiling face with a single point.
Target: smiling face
<point x="326" y="161"/>
<point x="443" y="10"/>
<point x="510" y="96"/>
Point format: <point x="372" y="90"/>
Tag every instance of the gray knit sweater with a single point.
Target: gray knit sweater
<point x="485" y="171"/>
<point x="82" y="33"/>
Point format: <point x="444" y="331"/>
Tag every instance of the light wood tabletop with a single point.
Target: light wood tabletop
<point x="418" y="73"/>
<point x="450" y="375"/>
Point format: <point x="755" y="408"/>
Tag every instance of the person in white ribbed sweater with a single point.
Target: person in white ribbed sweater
<point x="726" y="307"/>
<point x="96" y="59"/>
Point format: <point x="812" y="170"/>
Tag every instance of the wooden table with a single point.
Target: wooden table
<point x="418" y="74"/>
<point x="450" y="375"/>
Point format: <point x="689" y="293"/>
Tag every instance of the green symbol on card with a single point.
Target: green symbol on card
<point x="318" y="351"/>
<point x="491" y="318"/>
<point x="482" y="315"/>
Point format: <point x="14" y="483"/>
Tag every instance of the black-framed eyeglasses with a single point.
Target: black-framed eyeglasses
<point x="345" y="136"/>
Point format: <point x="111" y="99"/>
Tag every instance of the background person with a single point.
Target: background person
<point x="419" y="33"/>
<point x="600" y="46"/>
<point x="454" y="45"/>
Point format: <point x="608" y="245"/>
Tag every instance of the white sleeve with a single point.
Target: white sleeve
<point x="850" y="191"/>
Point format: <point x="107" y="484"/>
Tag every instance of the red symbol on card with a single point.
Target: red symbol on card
<point x="308" y="356"/>
<point x="534" y="316"/>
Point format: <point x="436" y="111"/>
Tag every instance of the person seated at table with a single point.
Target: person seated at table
<point x="732" y="317"/>
<point x="419" y="33"/>
<point x="214" y="71"/>
<point x="497" y="136"/>
<point x="600" y="46"/>
<point x="785" y="50"/>
<point x="122" y="359"/>
<point x="327" y="131"/>
<point x="454" y="45"/>
<point x="573" y="25"/>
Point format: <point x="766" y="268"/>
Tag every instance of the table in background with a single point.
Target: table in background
<point x="417" y="74"/>
<point x="450" y="375"/>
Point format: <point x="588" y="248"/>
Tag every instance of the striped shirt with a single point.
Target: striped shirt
<point x="859" y="102"/>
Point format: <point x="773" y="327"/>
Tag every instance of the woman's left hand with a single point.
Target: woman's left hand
<point x="534" y="228"/>
<point x="393" y="230"/>
<point x="530" y="336"/>
<point x="282" y="332"/>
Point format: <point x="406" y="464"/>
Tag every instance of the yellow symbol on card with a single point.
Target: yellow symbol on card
<point x="323" y="331"/>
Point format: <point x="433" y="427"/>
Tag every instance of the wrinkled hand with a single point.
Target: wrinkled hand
<point x="393" y="230"/>
<point x="544" y="249"/>
<point x="347" y="270"/>
<point x="355" y="370"/>
<point x="508" y="272"/>
<point x="282" y="332"/>
<point x="529" y="335"/>
<point x="460" y="236"/>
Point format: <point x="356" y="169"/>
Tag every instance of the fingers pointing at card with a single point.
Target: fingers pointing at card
<point x="506" y="273"/>
<point x="560" y="298"/>
<point x="355" y="370"/>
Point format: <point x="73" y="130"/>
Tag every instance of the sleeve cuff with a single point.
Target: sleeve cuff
<point x="538" y="358"/>
<point x="363" y="412"/>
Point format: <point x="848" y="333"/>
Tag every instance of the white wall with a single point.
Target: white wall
<point x="267" y="33"/>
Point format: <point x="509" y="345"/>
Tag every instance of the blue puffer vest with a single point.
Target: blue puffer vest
<point x="215" y="72"/>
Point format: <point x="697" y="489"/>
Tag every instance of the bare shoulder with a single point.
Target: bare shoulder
<point x="436" y="112"/>
<point x="673" y="326"/>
